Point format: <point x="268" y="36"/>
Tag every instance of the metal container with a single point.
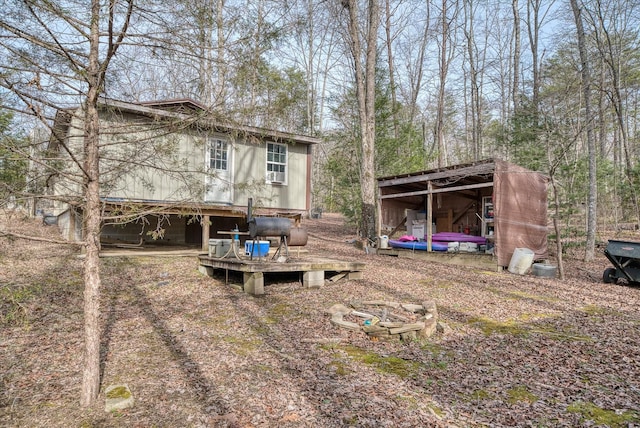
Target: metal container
<point x="269" y="226"/>
<point x="297" y="237"/>
<point x="543" y="270"/>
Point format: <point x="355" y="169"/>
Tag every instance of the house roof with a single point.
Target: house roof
<point x="182" y="105"/>
<point x="186" y="110"/>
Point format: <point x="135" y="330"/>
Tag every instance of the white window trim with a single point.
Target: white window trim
<point x="273" y="177"/>
<point x="210" y="142"/>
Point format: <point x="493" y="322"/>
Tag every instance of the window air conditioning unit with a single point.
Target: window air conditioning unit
<point x="275" y="177"/>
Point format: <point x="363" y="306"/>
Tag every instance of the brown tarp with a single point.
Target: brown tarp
<point x="520" y="211"/>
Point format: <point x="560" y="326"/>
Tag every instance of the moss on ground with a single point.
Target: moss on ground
<point x="518" y="327"/>
<point x="520" y="394"/>
<point x="119" y="392"/>
<point x="384" y="364"/>
<point x="599" y="416"/>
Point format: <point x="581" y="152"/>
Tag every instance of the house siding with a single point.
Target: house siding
<point x="165" y="164"/>
<point x="251" y="172"/>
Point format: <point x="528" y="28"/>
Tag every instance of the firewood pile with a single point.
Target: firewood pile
<point x="387" y="320"/>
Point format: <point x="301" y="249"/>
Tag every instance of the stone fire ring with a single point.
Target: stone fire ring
<point x="387" y="320"/>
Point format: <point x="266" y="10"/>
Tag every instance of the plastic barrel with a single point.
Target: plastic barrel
<point x="521" y="261"/>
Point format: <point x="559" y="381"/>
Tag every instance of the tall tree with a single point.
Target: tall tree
<point x="13" y="164"/>
<point x="67" y="49"/>
<point x="588" y="121"/>
<point x="515" y="90"/>
<point x="447" y="51"/>
<point x="611" y="34"/>
<point x="390" y="62"/>
<point x="475" y="59"/>
<point x="363" y="45"/>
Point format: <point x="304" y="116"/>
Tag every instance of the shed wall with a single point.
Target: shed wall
<point x="520" y="203"/>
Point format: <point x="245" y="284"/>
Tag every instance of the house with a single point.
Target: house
<point x="504" y="203"/>
<point x="173" y="173"/>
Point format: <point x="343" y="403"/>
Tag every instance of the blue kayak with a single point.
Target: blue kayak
<point x="419" y="245"/>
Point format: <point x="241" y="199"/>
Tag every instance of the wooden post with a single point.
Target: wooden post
<point x="205" y="233"/>
<point x="429" y="215"/>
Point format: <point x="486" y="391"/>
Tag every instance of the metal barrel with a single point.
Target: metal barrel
<point x="297" y="237"/>
<point x="269" y="226"/>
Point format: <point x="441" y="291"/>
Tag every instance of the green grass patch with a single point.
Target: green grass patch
<point x="387" y="365"/>
<point x="242" y="346"/>
<point x="597" y="311"/>
<point x="437" y="410"/>
<point x="600" y="416"/>
<point x="341" y="368"/>
<point x="13" y="304"/>
<point x="520" y="394"/>
<point x="280" y="310"/>
<point x="519" y="328"/>
<point x="489" y="326"/>
<point x="479" y="395"/>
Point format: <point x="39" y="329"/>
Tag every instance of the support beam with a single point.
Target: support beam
<point x="429" y="216"/>
<point x="206" y="226"/>
<point x="441" y="190"/>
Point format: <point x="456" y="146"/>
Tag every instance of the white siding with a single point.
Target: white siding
<point x="142" y="160"/>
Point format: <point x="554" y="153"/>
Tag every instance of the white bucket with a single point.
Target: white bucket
<point x="384" y="241"/>
<point x="521" y="261"/>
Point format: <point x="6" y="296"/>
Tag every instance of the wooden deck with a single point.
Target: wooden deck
<point x="313" y="269"/>
<point x="484" y="261"/>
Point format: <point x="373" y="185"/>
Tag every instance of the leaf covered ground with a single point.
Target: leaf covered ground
<point x="517" y="351"/>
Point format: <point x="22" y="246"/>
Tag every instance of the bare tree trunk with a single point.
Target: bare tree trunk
<point x="95" y="73"/>
<point x="365" y="89"/>
<point x="473" y="75"/>
<point x="205" y="64"/>
<point x="611" y="56"/>
<point x="392" y="71"/>
<point x="92" y="220"/>
<point x="417" y="79"/>
<point x="516" y="56"/>
<point x="221" y="83"/>
<point x="556" y="226"/>
<point x="444" y="70"/>
<point x="591" y="147"/>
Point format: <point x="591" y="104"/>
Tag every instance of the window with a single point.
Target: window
<point x="276" y="163"/>
<point x="218" y="155"/>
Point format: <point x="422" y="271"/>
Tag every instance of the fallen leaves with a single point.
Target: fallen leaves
<point x="519" y="350"/>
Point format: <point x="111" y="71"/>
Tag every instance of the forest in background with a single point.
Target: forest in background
<point x="455" y="81"/>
